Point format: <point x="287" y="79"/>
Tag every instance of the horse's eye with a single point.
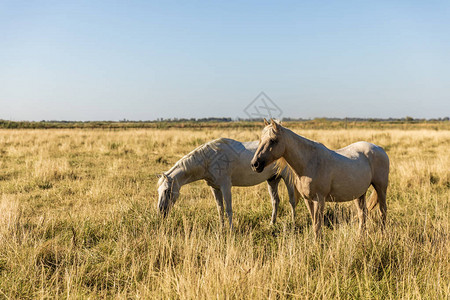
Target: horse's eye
<point x="273" y="142"/>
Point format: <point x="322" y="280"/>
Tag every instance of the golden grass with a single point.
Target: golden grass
<point x="78" y="219"/>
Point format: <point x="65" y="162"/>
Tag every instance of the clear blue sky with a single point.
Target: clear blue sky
<point x="141" y="60"/>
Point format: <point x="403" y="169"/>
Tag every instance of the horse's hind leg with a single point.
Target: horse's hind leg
<point x="272" y="185"/>
<point x="362" y="212"/>
<point x="219" y="200"/>
<point x="319" y="206"/>
<point x="226" y="192"/>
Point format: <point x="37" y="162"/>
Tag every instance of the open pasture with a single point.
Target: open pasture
<point x="78" y="219"/>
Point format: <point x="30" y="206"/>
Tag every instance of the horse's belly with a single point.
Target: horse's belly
<point x="347" y="187"/>
<point x="347" y="195"/>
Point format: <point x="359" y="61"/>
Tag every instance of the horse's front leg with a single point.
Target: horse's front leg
<point x="219" y="200"/>
<point x="293" y="198"/>
<point x="272" y="185"/>
<point x="226" y="192"/>
<point x="362" y="212"/>
<point x="310" y="205"/>
<point x="319" y="205"/>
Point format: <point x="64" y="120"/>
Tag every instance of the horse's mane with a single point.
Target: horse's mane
<point x="281" y="165"/>
<point x="198" y="156"/>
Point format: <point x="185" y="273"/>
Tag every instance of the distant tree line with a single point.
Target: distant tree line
<point x="215" y="122"/>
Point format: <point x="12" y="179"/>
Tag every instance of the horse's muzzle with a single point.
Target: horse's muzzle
<point x="258" y="166"/>
<point x="163" y="210"/>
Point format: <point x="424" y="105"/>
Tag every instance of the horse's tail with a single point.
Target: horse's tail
<point x="372" y="201"/>
<point x="379" y="163"/>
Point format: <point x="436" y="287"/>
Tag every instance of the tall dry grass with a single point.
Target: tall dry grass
<point x="78" y="219"/>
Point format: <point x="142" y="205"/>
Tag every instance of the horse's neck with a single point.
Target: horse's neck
<point x="298" y="151"/>
<point x="182" y="176"/>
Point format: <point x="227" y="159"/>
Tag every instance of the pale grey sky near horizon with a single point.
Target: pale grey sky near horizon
<point x="143" y="60"/>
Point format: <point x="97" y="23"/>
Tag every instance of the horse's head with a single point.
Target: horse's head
<point x="168" y="194"/>
<point x="271" y="146"/>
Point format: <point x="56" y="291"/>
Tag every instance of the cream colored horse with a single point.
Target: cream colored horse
<point x="327" y="175"/>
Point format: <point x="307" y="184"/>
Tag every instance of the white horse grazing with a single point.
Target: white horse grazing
<point x="223" y="163"/>
<point x="327" y="175"/>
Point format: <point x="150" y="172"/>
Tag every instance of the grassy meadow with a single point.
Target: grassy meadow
<point x="78" y="220"/>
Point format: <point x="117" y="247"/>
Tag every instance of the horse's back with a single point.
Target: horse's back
<point x="357" y="148"/>
<point x="238" y="156"/>
<point x="368" y="149"/>
<point x="376" y="156"/>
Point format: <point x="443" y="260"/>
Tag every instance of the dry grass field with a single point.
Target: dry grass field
<point x="78" y="219"/>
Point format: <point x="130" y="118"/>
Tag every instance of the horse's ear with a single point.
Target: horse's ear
<point x="276" y="126"/>
<point x="266" y="122"/>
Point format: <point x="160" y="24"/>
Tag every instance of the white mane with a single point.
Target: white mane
<point x="199" y="156"/>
